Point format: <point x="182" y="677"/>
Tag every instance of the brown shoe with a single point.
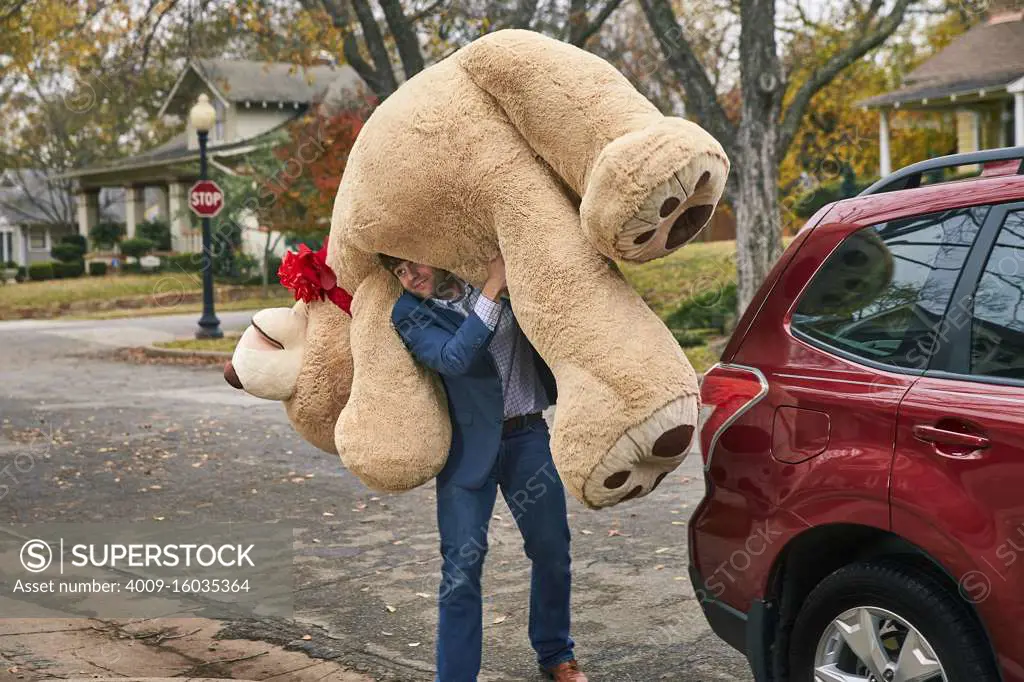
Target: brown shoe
<point x="565" y="672"/>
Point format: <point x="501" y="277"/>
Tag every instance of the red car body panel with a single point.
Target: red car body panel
<point x="834" y="442"/>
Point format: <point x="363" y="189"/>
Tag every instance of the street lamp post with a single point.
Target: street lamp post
<point x="203" y="116"/>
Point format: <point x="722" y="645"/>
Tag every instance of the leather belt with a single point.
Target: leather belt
<point x="516" y="423"/>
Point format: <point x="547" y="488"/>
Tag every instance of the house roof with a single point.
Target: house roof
<point x="988" y="56"/>
<point x="242" y="80"/>
<point x="175" y="150"/>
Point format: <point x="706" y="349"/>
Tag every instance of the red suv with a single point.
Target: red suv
<point x="863" y="441"/>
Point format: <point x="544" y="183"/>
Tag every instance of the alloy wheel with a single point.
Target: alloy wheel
<point x="869" y="644"/>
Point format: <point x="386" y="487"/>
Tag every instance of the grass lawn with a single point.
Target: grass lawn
<point x="697" y="278"/>
<point x="280" y="298"/>
<point x="666" y="283"/>
<point x="115" y="296"/>
<point x="226" y="344"/>
<point x="681" y="288"/>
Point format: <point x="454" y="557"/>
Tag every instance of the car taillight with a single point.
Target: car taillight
<point x="726" y="393"/>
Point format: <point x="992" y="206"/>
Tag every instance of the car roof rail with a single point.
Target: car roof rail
<point x="910" y="176"/>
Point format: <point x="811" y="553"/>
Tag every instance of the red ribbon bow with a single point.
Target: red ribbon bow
<point x="308" y="275"/>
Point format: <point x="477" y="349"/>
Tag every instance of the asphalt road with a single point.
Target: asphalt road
<point x="119" y="441"/>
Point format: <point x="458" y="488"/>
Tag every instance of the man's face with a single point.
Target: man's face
<point x="419" y="279"/>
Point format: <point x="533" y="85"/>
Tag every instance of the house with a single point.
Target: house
<point x="252" y="99"/>
<point x="978" y="78"/>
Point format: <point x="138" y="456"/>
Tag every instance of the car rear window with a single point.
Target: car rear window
<point x="997" y="327"/>
<point x="881" y="295"/>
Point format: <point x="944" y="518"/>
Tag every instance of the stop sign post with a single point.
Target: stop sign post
<point x="206" y="199"/>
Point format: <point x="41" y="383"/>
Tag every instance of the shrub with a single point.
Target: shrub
<point x="37" y="272"/>
<point x="709" y="310"/>
<point x="66" y="253"/>
<point x="131" y="268"/>
<point x="77" y="240"/>
<point x="69" y="270"/>
<point x="106" y="234"/>
<point x="22" y="274"/>
<point x="10" y="265"/>
<point x="97" y="268"/>
<point x="185" y="262"/>
<point x="136" y="248"/>
<point x="155" y="231"/>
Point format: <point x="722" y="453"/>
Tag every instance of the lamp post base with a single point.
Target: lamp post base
<point x="209" y="328"/>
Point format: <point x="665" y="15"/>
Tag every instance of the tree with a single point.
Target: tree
<point x="771" y="108"/>
<point x="441" y="25"/>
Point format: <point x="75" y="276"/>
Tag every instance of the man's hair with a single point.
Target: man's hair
<point x="389" y="262"/>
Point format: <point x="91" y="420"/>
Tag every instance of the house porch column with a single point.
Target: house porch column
<point x="134" y="209"/>
<point x="884" y="158"/>
<point x="87" y="203"/>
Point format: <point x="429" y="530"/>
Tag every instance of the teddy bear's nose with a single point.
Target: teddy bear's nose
<point x="231" y="376"/>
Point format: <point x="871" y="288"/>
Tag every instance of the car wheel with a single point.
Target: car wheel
<point x="879" y="621"/>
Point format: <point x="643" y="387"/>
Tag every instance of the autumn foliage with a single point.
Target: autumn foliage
<point x="299" y="197"/>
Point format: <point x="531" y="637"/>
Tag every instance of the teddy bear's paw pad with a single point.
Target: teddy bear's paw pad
<point x="644" y="455"/>
<point x="673" y="214"/>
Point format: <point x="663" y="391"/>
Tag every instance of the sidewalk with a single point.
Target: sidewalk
<point x="37" y="649"/>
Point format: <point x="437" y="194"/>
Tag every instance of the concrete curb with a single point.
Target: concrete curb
<point x="156" y="352"/>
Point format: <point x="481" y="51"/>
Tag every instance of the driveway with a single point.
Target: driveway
<point x="118" y="441"/>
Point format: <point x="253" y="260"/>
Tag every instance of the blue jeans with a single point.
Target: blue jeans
<point x="535" y="495"/>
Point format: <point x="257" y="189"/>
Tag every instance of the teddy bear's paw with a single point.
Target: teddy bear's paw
<point x="653" y="190"/>
<point x="644" y="455"/>
<point x="672" y="215"/>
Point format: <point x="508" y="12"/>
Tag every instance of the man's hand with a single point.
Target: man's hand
<point x="495" y="283"/>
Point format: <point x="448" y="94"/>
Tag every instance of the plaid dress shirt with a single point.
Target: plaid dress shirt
<point x="522" y="389"/>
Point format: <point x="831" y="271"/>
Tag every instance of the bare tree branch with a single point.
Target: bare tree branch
<point x="375" y="46"/>
<point x="701" y="97"/>
<point x="426" y="11"/>
<point x="584" y="29"/>
<point x="869" y="40"/>
<point x="381" y="80"/>
<point x="405" y="37"/>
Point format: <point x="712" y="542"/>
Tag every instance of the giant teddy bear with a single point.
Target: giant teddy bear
<point x="536" y="149"/>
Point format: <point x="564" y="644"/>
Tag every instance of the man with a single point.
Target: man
<point x="497" y="386"/>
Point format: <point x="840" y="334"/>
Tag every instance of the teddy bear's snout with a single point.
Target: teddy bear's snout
<point x="231" y="376"/>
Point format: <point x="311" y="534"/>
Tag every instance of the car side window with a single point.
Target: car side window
<point x="997" y="326"/>
<point x="882" y="294"/>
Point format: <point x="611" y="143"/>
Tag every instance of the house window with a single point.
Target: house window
<point x="38" y="239"/>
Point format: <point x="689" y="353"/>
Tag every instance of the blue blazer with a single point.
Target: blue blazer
<point x="457" y="349"/>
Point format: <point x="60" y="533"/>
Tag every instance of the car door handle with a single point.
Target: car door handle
<point x="932" y="434"/>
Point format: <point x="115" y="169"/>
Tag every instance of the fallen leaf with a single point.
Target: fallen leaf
<point x="414" y="643"/>
<point x="662" y="550"/>
<point x="423" y="594"/>
<point x="390" y="608"/>
<point x="587" y="532"/>
<point x="307" y="637"/>
<point x="500" y="619"/>
<point x="613" y="532"/>
<point x="659" y="567"/>
<point x="679" y="523"/>
<point x="385" y="632"/>
<point x="158" y="518"/>
<point x="328" y="514"/>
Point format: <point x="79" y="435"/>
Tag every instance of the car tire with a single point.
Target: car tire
<point x="939" y="615"/>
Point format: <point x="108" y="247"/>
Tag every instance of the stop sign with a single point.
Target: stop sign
<point x="206" y="198"/>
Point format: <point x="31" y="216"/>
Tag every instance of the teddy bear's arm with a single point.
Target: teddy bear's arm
<point x="445" y="353"/>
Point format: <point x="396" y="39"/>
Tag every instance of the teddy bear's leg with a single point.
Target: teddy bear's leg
<point x="394" y="432"/>
<point x="627" y="395"/>
<point x="648" y="183"/>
